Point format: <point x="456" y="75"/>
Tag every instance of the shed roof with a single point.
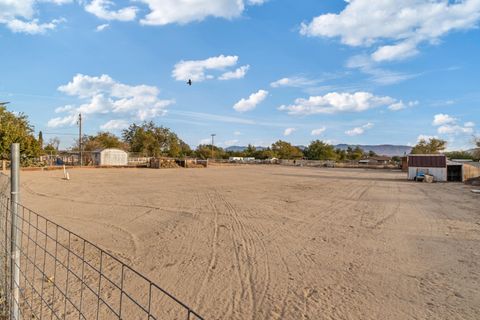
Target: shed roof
<point x="427" y="161"/>
<point x="473" y="164"/>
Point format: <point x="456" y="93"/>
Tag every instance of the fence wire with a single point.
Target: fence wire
<point x="63" y="276"/>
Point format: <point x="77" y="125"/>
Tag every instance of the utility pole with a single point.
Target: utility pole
<point x="213" y="142"/>
<point x="80" y="144"/>
<point x="15" y="244"/>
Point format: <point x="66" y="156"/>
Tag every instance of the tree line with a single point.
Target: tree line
<point x="150" y="140"/>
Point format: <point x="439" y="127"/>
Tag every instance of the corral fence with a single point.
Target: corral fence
<point x="49" y="272"/>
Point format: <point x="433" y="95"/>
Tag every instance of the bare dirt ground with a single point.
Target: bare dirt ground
<point x="271" y="242"/>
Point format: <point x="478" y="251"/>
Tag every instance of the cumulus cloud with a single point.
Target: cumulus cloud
<point x="297" y="82"/>
<point x="448" y="125"/>
<point x="395" y="28"/>
<point x="319" y="131"/>
<point x="426" y="137"/>
<point x="197" y="69"/>
<point x="469" y="124"/>
<point x="103" y="10"/>
<point x="359" y="130"/>
<point x="440" y="119"/>
<point x="336" y="102"/>
<point x="20" y="16"/>
<point x="104" y="95"/>
<point x="102" y="27"/>
<point x="251" y="102"/>
<point x="237" y="74"/>
<point x="454" y="129"/>
<point x="164" y="12"/>
<point x="289" y="131"/>
<point x="113" y="125"/>
<point x="400" y="105"/>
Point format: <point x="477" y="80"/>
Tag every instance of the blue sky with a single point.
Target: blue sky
<point x="263" y="70"/>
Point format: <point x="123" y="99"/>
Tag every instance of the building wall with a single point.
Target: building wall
<point x="113" y="157"/>
<point x="439" y="174"/>
<point x="470" y="171"/>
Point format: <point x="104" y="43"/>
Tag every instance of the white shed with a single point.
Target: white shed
<point x="110" y="157"/>
<point x="432" y="164"/>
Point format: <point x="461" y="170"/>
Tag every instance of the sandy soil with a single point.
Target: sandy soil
<point x="271" y="242"/>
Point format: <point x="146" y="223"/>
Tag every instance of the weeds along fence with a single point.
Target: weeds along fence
<point x="63" y="276"/>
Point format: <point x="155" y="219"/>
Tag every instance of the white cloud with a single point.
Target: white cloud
<point x="104" y="95"/>
<point x="319" y="131"/>
<point x="355" y="132"/>
<point x="401" y="105"/>
<point x="237" y="74"/>
<point x="32" y="26"/>
<point x="113" y="125"/>
<point x="196" y="70"/>
<point x="103" y="10"/>
<point x="426" y="137"/>
<point x="297" y="82"/>
<point x="164" y="12"/>
<point x="378" y="75"/>
<point x="454" y="129"/>
<point x="289" y="131"/>
<point x="69" y="120"/>
<point x="395" y="27"/>
<point x="20" y="16"/>
<point x="447" y="125"/>
<point x="237" y="133"/>
<point x="251" y="102"/>
<point x="441" y="119"/>
<point x="359" y="130"/>
<point x="102" y="27"/>
<point x="336" y="102"/>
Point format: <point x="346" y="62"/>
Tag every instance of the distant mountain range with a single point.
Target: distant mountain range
<point x="383" y="149"/>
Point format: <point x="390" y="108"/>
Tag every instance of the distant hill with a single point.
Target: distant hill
<point x="383" y="149"/>
<point x="241" y="148"/>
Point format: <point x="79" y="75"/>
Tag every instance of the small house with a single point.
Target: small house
<point x="376" y="160"/>
<point x="110" y="157"/>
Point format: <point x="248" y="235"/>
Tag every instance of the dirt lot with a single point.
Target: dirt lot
<point x="271" y="242"/>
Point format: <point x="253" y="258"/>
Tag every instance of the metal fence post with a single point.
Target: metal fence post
<point x="15" y="235"/>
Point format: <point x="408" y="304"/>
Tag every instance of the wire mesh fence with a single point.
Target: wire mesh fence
<point x="63" y="276"/>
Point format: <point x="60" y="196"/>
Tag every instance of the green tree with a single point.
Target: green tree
<point x="265" y="154"/>
<point x="372" y="153"/>
<point x="431" y="146"/>
<point x="355" y="153"/>
<point x="40" y="139"/>
<point x="341" y="154"/>
<point x="319" y="150"/>
<point x="284" y="150"/>
<point x="153" y="141"/>
<point x="459" y="155"/>
<point x="204" y="151"/>
<point x="250" y="151"/>
<point x="16" y="128"/>
<point x="476" y="152"/>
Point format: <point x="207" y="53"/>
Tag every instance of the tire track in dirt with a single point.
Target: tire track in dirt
<point x="247" y="246"/>
<point x="213" y="253"/>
